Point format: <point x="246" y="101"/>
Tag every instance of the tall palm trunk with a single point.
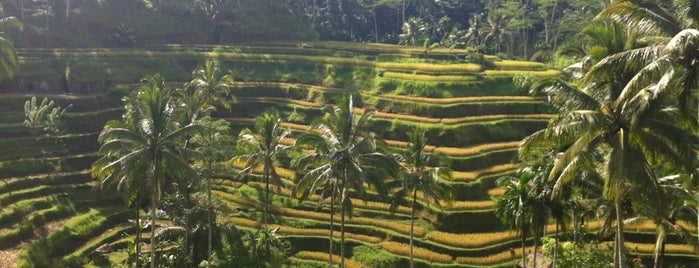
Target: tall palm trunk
<point x="412" y="227"/>
<point x="152" y="224"/>
<point x="619" y="250"/>
<point x="555" y="248"/>
<point x="211" y="224"/>
<point x="342" y="228"/>
<point x="332" y="221"/>
<point x="138" y="229"/>
<point x="524" y="244"/>
<point x="154" y="192"/>
<point x="266" y="222"/>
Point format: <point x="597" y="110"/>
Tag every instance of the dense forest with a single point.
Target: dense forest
<point x="531" y="29"/>
<point x="349" y="133"/>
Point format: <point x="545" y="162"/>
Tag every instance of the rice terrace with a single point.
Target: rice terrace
<point x="349" y="133"/>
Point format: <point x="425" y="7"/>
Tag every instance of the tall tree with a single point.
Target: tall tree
<point x="344" y="157"/>
<point x="263" y="147"/>
<point x="152" y="144"/>
<point x="521" y="207"/>
<point x="8" y="56"/>
<point x="211" y="85"/>
<point x="418" y="176"/>
<point x="621" y="132"/>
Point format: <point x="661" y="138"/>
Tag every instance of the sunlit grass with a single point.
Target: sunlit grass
<point x="418" y="252"/>
<point x="518" y="65"/>
<point x="323" y="256"/>
<point x="493" y="259"/>
<point x="387" y="224"/>
<point x="511" y="73"/>
<point x="466" y="176"/>
<point x="462" y="99"/>
<point x="431" y="78"/>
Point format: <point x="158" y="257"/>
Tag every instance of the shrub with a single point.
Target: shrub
<point x="420" y="253"/>
<point x="373" y="256"/>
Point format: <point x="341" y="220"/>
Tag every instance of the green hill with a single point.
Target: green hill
<point x="470" y="109"/>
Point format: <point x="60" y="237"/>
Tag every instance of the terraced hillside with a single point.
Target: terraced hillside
<point x="471" y="111"/>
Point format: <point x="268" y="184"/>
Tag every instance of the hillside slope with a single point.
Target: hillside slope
<point x="471" y="111"/>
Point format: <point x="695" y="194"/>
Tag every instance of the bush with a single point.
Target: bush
<point x="373" y="256"/>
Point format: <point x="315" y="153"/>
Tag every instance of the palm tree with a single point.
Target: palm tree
<point x="495" y="31"/>
<point x="417" y="176"/>
<point x="151" y="147"/>
<point x="8" y="57"/>
<point x="621" y="131"/>
<point x="520" y="207"/>
<point x="211" y="85"/>
<point x="672" y="61"/>
<point x="414" y="30"/>
<point x="263" y="147"/>
<point x="343" y="157"/>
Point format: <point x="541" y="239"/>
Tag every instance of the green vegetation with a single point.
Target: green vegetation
<point x="322" y="123"/>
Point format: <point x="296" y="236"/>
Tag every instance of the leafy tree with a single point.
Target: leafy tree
<point x="414" y="30"/>
<point x="344" y="158"/>
<point x="211" y="86"/>
<point x="45" y="117"/>
<point x="417" y="176"/>
<point x="620" y="132"/>
<point x="151" y="144"/>
<point x="8" y="56"/>
<point x="262" y="148"/>
<point x="521" y="207"/>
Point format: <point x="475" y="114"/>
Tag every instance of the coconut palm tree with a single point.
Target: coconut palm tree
<point x="262" y="148"/>
<point x="152" y="145"/>
<point x="521" y="207"/>
<point x="417" y="176"/>
<point x="621" y="131"/>
<point x="414" y="30"/>
<point x="343" y="157"/>
<point x="211" y="85"/>
<point x="8" y="57"/>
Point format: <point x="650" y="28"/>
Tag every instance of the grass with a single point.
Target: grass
<point x="431" y="78"/>
<point x="460" y="176"/>
<point x="493" y="259"/>
<point x="418" y="252"/>
<point x="511" y="73"/>
<point x="287" y="230"/>
<point x="472" y="240"/>
<point x="461" y="99"/>
<point x="518" y="65"/>
<point x="387" y="224"/>
<point x="323" y="256"/>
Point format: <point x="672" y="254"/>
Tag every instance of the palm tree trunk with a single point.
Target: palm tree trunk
<point x="266" y="223"/>
<point x="152" y="224"/>
<point x="342" y="230"/>
<point x="555" y="248"/>
<point x="412" y="228"/>
<point x="138" y="230"/>
<point x="332" y="220"/>
<point x="619" y="250"/>
<point x="524" y="244"/>
<point x="211" y="224"/>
